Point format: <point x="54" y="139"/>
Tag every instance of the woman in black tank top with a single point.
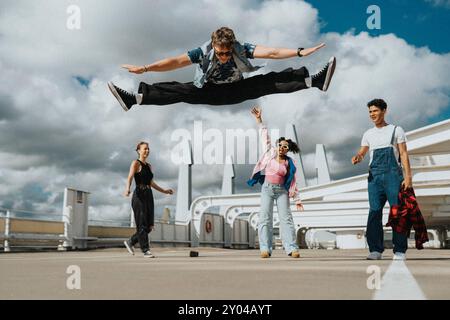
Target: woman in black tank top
<point x="142" y="200"/>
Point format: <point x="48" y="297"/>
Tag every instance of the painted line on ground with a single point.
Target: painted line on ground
<point x="399" y="284"/>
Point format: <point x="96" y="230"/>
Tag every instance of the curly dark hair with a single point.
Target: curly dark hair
<point x="379" y="103"/>
<point x="293" y="147"/>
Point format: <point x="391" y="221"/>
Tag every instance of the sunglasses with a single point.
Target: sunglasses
<point x="283" y="146"/>
<point x="224" y="53"/>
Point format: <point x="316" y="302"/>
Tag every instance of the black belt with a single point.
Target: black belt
<point x="143" y="186"/>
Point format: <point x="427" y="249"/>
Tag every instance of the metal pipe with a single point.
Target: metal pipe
<point x="7" y="227"/>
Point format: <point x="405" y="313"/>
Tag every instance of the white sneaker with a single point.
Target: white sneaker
<point x="399" y="256"/>
<point x="374" y="256"/>
<point x="148" y="254"/>
<point x="129" y="247"/>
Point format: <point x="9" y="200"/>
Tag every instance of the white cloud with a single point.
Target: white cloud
<point x="440" y="3"/>
<point x="55" y="132"/>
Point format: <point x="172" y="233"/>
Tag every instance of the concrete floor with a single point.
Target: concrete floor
<point x="219" y="274"/>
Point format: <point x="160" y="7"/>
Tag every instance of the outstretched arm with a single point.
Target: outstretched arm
<point x="156" y="187"/>
<point x="360" y="155"/>
<point x="283" y="53"/>
<point x="167" y="64"/>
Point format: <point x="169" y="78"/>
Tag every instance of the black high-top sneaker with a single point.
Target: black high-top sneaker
<point x="125" y="98"/>
<point x="322" y="79"/>
<point x="148" y="254"/>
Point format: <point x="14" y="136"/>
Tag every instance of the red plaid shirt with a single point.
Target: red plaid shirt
<point x="406" y="215"/>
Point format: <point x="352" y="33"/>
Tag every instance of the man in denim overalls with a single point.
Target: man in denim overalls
<point x="385" y="177"/>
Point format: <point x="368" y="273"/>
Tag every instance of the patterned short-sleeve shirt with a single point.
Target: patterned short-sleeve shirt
<point x="222" y="73"/>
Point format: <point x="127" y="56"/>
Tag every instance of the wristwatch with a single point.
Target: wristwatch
<point x="298" y="52"/>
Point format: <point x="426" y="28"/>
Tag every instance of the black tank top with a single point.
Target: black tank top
<point x="145" y="176"/>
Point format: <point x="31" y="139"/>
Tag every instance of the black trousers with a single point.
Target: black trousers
<point x="143" y="208"/>
<point x="164" y="93"/>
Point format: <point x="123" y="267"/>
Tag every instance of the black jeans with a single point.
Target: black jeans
<point x="143" y="208"/>
<point x="164" y="93"/>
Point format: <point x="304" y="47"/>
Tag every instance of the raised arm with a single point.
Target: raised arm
<point x="360" y="155"/>
<point x="283" y="53"/>
<point x="264" y="133"/>
<point x="167" y="64"/>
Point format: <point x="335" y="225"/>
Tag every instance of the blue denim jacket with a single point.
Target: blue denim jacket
<point x="205" y="65"/>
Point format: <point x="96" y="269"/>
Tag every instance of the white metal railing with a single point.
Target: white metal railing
<point x="431" y="180"/>
<point x="28" y="214"/>
<point x="8" y="235"/>
<point x="168" y="232"/>
<point x="7" y="226"/>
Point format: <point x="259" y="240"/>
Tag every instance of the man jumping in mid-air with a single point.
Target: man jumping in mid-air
<point x="219" y="79"/>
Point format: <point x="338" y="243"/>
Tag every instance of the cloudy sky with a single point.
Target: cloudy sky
<point x="60" y="126"/>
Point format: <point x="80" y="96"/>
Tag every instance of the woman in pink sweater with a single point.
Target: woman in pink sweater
<point x="278" y="183"/>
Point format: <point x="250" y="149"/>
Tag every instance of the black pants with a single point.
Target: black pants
<point x="164" y="93"/>
<point x="143" y="208"/>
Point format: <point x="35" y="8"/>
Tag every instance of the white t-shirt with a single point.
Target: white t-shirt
<point x="377" y="138"/>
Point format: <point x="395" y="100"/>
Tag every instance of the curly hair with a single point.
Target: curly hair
<point x="379" y="103"/>
<point x="223" y="37"/>
<point x="293" y="147"/>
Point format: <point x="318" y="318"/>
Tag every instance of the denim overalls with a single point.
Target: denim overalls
<point x="384" y="182"/>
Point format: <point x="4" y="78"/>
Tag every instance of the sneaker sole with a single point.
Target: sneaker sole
<point x="394" y="258"/>
<point x="116" y="94"/>
<point x="330" y="72"/>
<point x="374" y="258"/>
<point x="130" y="251"/>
